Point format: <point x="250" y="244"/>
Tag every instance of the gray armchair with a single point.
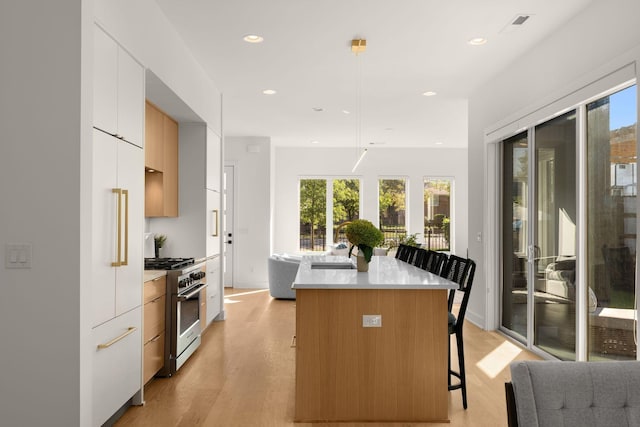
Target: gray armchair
<point x="282" y="273"/>
<point x="574" y="394"/>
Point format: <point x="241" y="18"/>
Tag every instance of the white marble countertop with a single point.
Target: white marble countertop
<point x="384" y="273"/>
<point x="153" y="274"/>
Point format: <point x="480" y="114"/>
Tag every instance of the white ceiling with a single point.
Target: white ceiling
<point x="413" y="46"/>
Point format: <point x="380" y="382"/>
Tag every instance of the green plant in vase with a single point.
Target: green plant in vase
<point x="365" y="236"/>
<point x="159" y="241"/>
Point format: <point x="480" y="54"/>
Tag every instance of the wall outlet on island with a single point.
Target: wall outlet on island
<point x="371" y="320"/>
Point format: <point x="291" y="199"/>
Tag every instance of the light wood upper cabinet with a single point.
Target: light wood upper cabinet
<point x="153" y="144"/>
<point x="161" y="155"/>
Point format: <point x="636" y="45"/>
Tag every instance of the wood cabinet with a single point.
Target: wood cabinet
<point x="203" y="301"/>
<point x="154" y="326"/>
<point x="161" y="163"/>
<point x="203" y="309"/>
<point x="118" y="91"/>
<point x="347" y="372"/>
<point x="153" y="144"/>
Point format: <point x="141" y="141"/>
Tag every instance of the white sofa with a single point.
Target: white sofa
<point x="282" y="273"/>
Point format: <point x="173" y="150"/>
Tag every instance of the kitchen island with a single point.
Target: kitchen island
<point x="392" y="369"/>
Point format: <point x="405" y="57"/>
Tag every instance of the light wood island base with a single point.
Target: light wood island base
<point x="397" y="372"/>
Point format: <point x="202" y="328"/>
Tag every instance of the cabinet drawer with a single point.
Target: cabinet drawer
<point x="154" y="288"/>
<point x="117" y="363"/>
<point x="154" y="318"/>
<point x="153" y="357"/>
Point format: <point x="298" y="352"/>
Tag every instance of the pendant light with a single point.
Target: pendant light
<point x="358" y="46"/>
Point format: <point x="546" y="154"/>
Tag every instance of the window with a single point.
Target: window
<point x="313" y="214"/>
<point x="437" y="214"/>
<point x="611" y="221"/>
<point x="392" y="208"/>
<point x="346" y="206"/>
<point x="326" y="204"/>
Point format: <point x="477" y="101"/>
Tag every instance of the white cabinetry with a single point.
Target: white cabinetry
<point x="118" y="194"/>
<point x="214" y="290"/>
<point x="213" y="160"/>
<point x="214" y="222"/>
<point x="117" y="364"/>
<point x="117" y="228"/>
<point x="118" y="94"/>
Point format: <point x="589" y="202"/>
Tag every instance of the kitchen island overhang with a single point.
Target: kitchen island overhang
<point x="392" y="371"/>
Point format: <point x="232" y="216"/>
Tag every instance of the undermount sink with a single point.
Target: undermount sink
<point x="332" y="266"/>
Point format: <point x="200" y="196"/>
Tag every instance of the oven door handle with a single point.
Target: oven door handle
<point x="192" y="293"/>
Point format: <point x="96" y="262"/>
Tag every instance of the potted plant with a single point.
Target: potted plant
<point x="159" y="241"/>
<point x="365" y="236"/>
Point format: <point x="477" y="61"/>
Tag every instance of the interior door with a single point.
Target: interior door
<point x="227" y="221"/>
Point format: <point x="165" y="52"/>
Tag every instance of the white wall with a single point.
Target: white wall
<point x="251" y="157"/>
<point x="413" y="163"/>
<point x="601" y="39"/>
<point x="44" y="187"/>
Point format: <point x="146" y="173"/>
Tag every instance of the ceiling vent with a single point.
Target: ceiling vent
<point x="516" y="22"/>
<point x="520" y="19"/>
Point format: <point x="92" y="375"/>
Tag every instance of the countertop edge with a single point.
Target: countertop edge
<point x="153" y="274"/>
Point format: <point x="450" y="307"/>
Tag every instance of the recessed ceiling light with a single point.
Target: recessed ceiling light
<point x="439" y="143"/>
<point x="269" y="92"/>
<point x="389" y="129"/>
<point x="346" y="112"/>
<point x="315" y="142"/>
<point x="429" y="93"/>
<point x="253" y="38"/>
<point x="318" y="109"/>
<point x="477" y="41"/>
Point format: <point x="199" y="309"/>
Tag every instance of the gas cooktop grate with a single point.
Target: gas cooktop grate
<point x="167" y="263"/>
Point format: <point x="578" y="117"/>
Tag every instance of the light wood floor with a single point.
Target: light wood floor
<point x="244" y="374"/>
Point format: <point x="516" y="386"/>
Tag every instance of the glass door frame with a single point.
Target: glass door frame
<point x="581" y="293"/>
<point x="581" y="318"/>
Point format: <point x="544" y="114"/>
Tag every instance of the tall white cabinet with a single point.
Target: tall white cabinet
<point x="215" y="295"/>
<point x="117" y="227"/>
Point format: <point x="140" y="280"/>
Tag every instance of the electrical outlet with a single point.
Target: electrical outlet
<point x="372" y="321"/>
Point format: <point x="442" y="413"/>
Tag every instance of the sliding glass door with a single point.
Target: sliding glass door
<point x="569" y="220"/>
<point x="554" y="225"/>
<point x="515" y="211"/>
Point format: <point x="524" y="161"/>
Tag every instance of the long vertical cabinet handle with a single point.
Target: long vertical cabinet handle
<point x="126" y="228"/>
<point x="118" y="262"/>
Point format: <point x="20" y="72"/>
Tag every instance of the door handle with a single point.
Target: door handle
<point x="118" y="192"/>
<point x="125" y="193"/>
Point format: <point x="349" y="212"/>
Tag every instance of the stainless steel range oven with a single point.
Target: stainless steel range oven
<point x="185" y="282"/>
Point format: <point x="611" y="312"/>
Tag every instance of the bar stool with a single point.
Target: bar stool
<point x="434" y="262"/>
<point x="419" y="257"/>
<point x="406" y="253"/>
<point x="460" y="271"/>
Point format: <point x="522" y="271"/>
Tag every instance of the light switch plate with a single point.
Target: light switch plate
<point x="17" y="255"/>
<point x="372" y="321"/>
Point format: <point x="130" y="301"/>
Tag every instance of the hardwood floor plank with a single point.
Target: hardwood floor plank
<point x="244" y="375"/>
